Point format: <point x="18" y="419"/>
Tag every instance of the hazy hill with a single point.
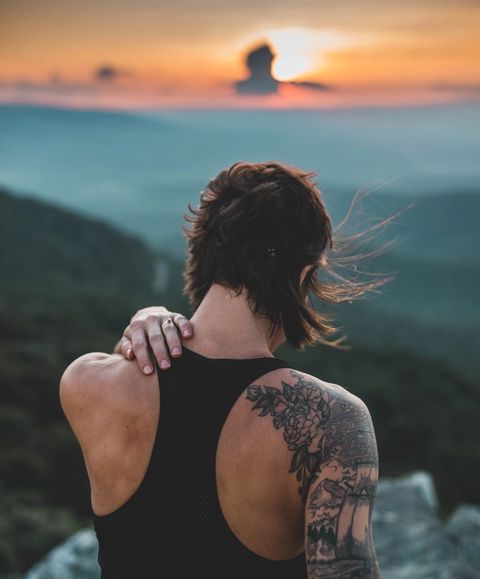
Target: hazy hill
<point x="444" y="228"/>
<point x="31" y="120"/>
<point x="439" y="227"/>
<point x="44" y="247"/>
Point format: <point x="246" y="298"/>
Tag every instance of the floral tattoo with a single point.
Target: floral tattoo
<point x="335" y="461"/>
<point x="301" y="411"/>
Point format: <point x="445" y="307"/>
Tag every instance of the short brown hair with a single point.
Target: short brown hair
<point x="256" y="227"/>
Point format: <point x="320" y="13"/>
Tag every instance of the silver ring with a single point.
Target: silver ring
<point x="167" y="320"/>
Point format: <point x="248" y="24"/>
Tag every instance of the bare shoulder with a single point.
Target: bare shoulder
<point x="315" y="417"/>
<point x="330" y="435"/>
<point x="99" y="390"/>
<point x="113" y="410"/>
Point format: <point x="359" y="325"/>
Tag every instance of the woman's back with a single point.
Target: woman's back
<point x="253" y="461"/>
<point x="216" y="498"/>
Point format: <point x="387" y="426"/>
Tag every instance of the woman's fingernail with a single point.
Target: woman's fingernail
<point x="164" y="364"/>
<point x="147" y="369"/>
<point x="176" y="351"/>
<point x="186" y="333"/>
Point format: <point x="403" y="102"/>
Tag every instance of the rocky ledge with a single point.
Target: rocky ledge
<point x="411" y="540"/>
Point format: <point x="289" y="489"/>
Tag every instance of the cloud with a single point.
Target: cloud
<point x="109" y="73"/>
<point x="460" y="87"/>
<point x="311" y="84"/>
<point x="260" y="80"/>
<point x="259" y="62"/>
<point x="54" y="85"/>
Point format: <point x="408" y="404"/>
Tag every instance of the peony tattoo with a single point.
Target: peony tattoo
<point x="335" y="460"/>
<point x="302" y="412"/>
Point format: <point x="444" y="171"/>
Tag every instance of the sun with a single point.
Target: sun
<point x="300" y="51"/>
<point x="295" y="57"/>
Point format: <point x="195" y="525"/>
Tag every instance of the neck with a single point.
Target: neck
<point x="225" y="326"/>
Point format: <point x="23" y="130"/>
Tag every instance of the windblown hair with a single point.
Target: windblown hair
<point x="256" y="227"/>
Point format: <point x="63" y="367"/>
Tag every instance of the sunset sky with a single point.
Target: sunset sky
<point x="146" y="53"/>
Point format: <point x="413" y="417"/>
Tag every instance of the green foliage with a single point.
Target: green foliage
<point x="36" y="527"/>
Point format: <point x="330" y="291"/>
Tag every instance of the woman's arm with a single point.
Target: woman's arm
<point x="341" y="498"/>
<point x="158" y="328"/>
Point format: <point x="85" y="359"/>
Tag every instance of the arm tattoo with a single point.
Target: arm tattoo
<point x="302" y="411"/>
<point x="335" y="458"/>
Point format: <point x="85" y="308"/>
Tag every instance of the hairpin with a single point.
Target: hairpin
<point x="271" y="252"/>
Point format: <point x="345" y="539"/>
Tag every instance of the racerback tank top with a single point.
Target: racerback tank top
<point x="172" y="527"/>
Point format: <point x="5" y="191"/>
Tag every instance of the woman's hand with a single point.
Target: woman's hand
<point x="158" y="327"/>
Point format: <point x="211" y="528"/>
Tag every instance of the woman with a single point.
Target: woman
<point x="232" y="463"/>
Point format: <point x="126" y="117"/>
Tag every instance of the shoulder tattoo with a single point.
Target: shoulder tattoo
<point x="302" y="411"/>
<point x="335" y="460"/>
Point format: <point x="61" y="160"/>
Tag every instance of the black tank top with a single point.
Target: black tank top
<point x="172" y="527"/>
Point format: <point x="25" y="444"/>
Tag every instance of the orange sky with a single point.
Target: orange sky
<point x="189" y="53"/>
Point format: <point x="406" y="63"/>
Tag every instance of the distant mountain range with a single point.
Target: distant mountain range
<point x="139" y="170"/>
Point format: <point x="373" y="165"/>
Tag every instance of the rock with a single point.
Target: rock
<point x="463" y="528"/>
<point x="411" y="540"/>
<point x="76" y="558"/>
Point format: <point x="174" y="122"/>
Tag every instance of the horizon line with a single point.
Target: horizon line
<point x="234" y="108"/>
